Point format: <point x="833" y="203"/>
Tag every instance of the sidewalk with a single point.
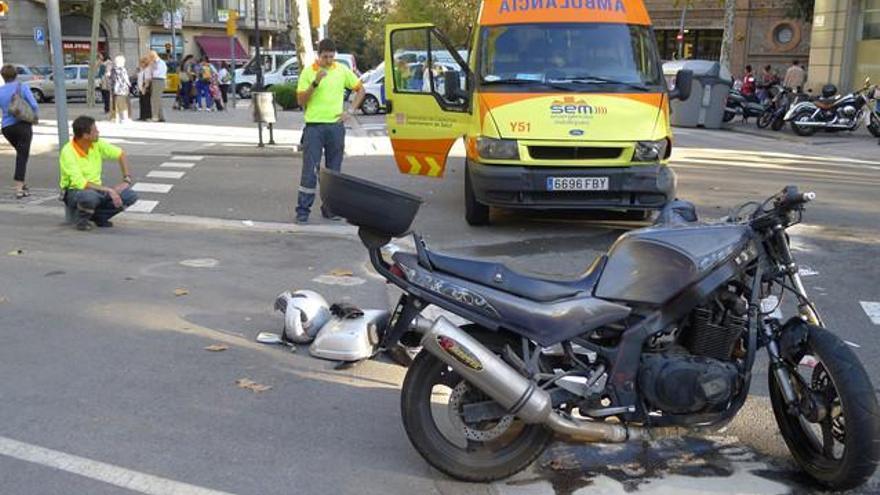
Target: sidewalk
<point x="232" y="131"/>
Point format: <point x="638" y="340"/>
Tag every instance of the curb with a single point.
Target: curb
<point x="269" y="151"/>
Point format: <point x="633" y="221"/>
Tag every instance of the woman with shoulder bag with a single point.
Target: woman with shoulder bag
<point x="19" y="110"/>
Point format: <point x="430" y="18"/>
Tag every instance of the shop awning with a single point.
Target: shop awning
<point x="217" y="48"/>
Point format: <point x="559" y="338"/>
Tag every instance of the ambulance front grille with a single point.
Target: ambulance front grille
<point x="574" y="153"/>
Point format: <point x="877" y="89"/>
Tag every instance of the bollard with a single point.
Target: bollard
<point x="263" y="106"/>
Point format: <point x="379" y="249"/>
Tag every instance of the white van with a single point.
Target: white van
<point x="272" y="61"/>
<point x="284" y="69"/>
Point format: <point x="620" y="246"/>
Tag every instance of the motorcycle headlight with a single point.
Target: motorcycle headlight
<point x="651" y="151"/>
<point x="498" y="149"/>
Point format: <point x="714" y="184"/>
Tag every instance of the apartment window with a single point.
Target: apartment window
<point x="871" y="20"/>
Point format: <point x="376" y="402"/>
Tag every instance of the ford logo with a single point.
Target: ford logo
<point x="576" y="132"/>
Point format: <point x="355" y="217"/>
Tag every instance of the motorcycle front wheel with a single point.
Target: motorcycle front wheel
<point x="874" y="126"/>
<point x="837" y="442"/>
<point x="801" y="130"/>
<point x="432" y="402"/>
<point x="778" y="124"/>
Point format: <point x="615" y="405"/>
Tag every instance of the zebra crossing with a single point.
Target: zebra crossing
<point x="174" y="169"/>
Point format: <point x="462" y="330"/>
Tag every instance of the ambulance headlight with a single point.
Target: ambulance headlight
<point x="498" y="149"/>
<point x="651" y="151"/>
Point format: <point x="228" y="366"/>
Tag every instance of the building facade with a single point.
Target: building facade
<point x="203" y="30"/>
<point x="763" y="32"/>
<point x="846" y="43"/>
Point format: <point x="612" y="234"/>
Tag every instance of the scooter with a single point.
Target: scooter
<point x="740" y="104"/>
<point x="656" y="338"/>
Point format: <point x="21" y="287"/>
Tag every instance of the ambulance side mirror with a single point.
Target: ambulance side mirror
<point x="683" y="81"/>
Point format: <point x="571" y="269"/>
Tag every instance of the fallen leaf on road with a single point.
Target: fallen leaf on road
<point x="339" y="272"/>
<point x="217" y="348"/>
<point x="16" y="252"/>
<point x="251" y="385"/>
<point x="181" y="292"/>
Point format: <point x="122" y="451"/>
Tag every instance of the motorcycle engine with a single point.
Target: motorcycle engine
<point x="696" y="373"/>
<point x="848" y="112"/>
<point x="684" y="383"/>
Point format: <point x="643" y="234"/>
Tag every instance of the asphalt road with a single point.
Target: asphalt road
<point x="104" y="362"/>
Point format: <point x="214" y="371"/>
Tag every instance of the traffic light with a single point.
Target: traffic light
<point x="4" y="8"/>
<point x="231" y="22"/>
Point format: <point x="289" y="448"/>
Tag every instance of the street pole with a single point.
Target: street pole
<point x="174" y="36"/>
<point x="93" y="53"/>
<point x="232" y="56"/>
<point x="681" y="30"/>
<point x="54" y="14"/>
<point x="259" y="86"/>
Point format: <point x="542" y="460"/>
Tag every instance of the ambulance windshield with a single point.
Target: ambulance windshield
<point x="577" y="57"/>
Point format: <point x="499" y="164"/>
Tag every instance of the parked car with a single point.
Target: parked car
<point x="286" y="72"/>
<point x="374" y="85"/>
<point x="76" y="79"/>
<point x="28" y="74"/>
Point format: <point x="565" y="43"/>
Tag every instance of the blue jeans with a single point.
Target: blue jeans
<point x="186" y="94"/>
<point x="96" y="206"/>
<point x="203" y="91"/>
<point x="328" y="139"/>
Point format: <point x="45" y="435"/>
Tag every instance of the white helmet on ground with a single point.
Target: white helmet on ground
<point x="305" y="312"/>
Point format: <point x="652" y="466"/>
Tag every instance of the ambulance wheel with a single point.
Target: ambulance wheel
<point x="475" y="213"/>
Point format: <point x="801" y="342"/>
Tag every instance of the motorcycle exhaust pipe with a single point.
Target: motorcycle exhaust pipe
<point x="514" y="392"/>
<point x="822" y="124"/>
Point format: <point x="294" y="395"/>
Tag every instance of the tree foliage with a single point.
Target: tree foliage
<point x="801" y="9"/>
<point x="358" y="26"/>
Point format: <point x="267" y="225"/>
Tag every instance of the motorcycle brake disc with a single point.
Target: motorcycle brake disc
<point x="456" y="401"/>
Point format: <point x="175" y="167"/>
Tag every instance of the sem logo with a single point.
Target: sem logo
<point x="573" y="106"/>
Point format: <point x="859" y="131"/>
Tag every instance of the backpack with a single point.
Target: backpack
<point x="206" y="73"/>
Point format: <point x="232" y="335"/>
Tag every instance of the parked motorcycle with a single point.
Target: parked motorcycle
<point x="835" y="113"/>
<point x="740" y="104"/>
<point x="782" y="99"/>
<point x="656" y="338"/>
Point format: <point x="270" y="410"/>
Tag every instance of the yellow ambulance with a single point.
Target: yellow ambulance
<point x="561" y="103"/>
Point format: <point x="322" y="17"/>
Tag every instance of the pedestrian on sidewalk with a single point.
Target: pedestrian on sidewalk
<point x="157" y="83"/>
<point x="795" y="77"/>
<point x="748" y="84"/>
<point x="320" y="91"/>
<point x="120" y="82"/>
<point x="205" y="72"/>
<point x="214" y="88"/>
<point x="186" y="75"/>
<point x="81" y="163"/>
<point x="103" y="76"/>
<point x="18" y="132"/>
<point x="143" y="84"/>
<point x="225" y="75"/>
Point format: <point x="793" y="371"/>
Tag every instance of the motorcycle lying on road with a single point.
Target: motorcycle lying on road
<point x="740" y="104"/>
<point x="656" y="338"/>
<point x="836" y="113"/>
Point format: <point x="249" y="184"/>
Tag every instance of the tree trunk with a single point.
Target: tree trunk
<point x="728" y="37"/>
<point x="93" y="52"/>
<point x="119" y="33"/>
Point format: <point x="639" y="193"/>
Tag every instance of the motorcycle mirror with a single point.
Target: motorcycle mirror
<point x="867" y="81"/>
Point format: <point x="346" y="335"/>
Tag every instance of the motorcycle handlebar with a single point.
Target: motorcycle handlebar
<point x="790" y="197"/>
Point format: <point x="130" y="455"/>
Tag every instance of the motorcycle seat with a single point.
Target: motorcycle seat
<point x="500" y="277"/>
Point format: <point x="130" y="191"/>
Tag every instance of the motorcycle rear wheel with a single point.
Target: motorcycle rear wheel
<point x="446" y="446"/>
<point x="842" y="450"/>
<point x="765" y="119"/>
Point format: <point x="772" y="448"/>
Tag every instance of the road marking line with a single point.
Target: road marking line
<point x="142" y="206"/>
<point x="178" y="165"/>
<point x="100" y="471"/>
<point x="872" y="309"/>
<point x="165" y="174"/>
<point x="187" y="157"/>
<point x="150" y="187"/>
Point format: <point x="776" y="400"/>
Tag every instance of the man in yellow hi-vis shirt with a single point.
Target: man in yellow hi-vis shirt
<point x="81" y="162"/>
<point x="321" y="91"/>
